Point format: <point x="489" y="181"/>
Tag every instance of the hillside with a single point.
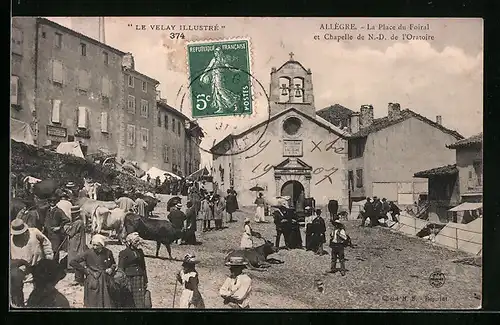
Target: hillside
<point x="27" y="160"/>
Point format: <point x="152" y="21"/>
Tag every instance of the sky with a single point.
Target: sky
<point x="439" y="76"/>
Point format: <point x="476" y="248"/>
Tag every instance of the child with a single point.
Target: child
<point x="337" y="238"/>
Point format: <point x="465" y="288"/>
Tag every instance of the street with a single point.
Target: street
<point x="385" y="270"/>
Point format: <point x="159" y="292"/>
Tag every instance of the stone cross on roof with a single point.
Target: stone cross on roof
<point x="291" y="56"/>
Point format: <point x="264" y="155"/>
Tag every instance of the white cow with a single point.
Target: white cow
<point x="106" y="219"/>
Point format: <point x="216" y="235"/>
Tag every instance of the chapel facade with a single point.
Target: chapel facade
<point x="299" y="154"/>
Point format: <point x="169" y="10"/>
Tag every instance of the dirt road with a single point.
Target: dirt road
<point x="385" y="270"/>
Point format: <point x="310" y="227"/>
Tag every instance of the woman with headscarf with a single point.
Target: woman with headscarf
<point x="131" y="261"/>
<point x="98" y="265"/>
<point x="188" y="278"/>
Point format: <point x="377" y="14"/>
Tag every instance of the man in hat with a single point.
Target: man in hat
<point x="76" y="241"/>
<point x="337" y="239"/>
<point x="46" y="275"/>
<point x="178" y="219"/>
<point x="367" y="211"/>
<point x="54" y="224"/>
<point x="377" y="211"/>
<point x="28" y="246"/>
<point x="71" y="189"/>
<point x="281" y="222"/>
<point x="64" y="203"/>
<point x="190" y="236"/>
<point x="237" y="288"/>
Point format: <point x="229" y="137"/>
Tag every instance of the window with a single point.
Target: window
<point x="144" y="86"/>
<point x="179" y="128"/>
<point x="144" y="108"/>
<point x="350" y="179"/>
<point x="173" y="155"/>
<point x="83" y="49"/>
<point x="57" y="71"/>
<point x="165" y="153"/>
<point x="298" y="90"/>
<point x="106" y="87"/>
<point x="104" y="122"/>
<point x="173" y="125"/>
<point x="158" y="119"/>
<point x="17" y="41"/>
<point x="56" y="111"/>
<point x="359" y="178"/>
<point x="105" y="58"/>
<point x="475" y="175"/>
<point x="292" y="125"/>
<point x="83" y="80"/>
<point x="82" y="117"/>
<point x="14" y="90"/>
<point x="145" y="137"/>
<point x="166" y="121"/>
<point x="58" y="40"/>
<point x="44" y="35"/>
<point x="131" y="104"/>
<point x="284" y="83"/>
<point x="131" y="81"/>
<point x="131" y="135"/>
<point x="356" y="148"/>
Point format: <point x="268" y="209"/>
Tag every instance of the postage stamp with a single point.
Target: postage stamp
<point x="220" y="78"/>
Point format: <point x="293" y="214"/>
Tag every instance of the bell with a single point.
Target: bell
<point x="298" y="93"/>
<point x="284" y="91"/>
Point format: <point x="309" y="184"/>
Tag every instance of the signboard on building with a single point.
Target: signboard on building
<point x="57" y="131"/>
<point x="292" y="148"/>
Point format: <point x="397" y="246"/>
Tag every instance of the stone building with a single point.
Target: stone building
<point x="299" y="151"/>
<point x="75" y="89"/>
<point x="384" y="153"/>
<point x="461" y="182"/>
<point x="176" y="141"/>
<point x="138" y="117"/>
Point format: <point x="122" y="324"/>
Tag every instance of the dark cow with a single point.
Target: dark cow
<point x="257" y="256"/>
<point x="151" y="203"/>
<point x="160" y="230"/>
<point x="173" y="201"/>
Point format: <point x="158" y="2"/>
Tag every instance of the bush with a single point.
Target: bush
<point x="28" y="160"/>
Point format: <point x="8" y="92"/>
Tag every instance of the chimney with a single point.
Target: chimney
<point x="394" y="111"/>
<point x="158" y="95"/>
<point x="354" y="122"/>
<point x="439" y="120"/>
<point x="128" y="62"/>
<point x="366" y="116"/>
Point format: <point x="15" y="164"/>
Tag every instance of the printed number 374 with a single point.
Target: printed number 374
<point x="176" y="35"/>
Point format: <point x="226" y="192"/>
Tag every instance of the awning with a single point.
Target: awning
<point x="21" y="132"/>
<point x="199" y="173"/>
<point x="70" y="148"/>
<point x="466" y="207"/>
<point x="439" y="171"/>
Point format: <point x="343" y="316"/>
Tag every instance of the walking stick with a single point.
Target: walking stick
<point x="175" y="292"/>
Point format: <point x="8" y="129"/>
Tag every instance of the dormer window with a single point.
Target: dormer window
<point x="284" y="83"/>
<point x="298" y="90"/>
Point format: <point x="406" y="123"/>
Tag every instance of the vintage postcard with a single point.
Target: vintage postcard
<point x="246" y="163"/>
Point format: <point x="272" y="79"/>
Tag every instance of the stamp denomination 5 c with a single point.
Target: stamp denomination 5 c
<point x="220" y="78"/>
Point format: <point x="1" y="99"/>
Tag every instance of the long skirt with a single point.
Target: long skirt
<point x="137" y="287"/>
<point x="191" y="299"/>
<point x="96" y="292"/>
<point x="259" y="214"/>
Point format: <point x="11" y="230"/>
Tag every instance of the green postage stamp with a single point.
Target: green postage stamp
<point x="220" y="79"/>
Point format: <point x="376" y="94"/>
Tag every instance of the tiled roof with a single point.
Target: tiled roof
<point x="384" y="122"/>
<point x="444" y="170"/>
<point x="473" y="140"/>
<point x="335" y="113"/>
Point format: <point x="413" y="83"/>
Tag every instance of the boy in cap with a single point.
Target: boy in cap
<point x="337" y="238"/>
<point x="237" y="288"/>
<point x="55" y="221"/>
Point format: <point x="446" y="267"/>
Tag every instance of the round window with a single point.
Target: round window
<point x="292" y="125"/>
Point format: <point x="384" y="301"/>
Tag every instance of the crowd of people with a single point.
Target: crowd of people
<point x="375" y="209"/>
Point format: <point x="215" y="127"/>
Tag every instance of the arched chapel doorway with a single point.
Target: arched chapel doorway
<point x="292" y="189"/>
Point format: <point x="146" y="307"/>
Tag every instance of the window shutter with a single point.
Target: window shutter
<point x="147" y="138"/>
<point x="82" y="117"/>
<point x="57" y="71"/>
<point x="105" y="87"/>
<point x="104" y="122"/>
<point x="56" y="111"/>
<point x="14" y="90"/>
